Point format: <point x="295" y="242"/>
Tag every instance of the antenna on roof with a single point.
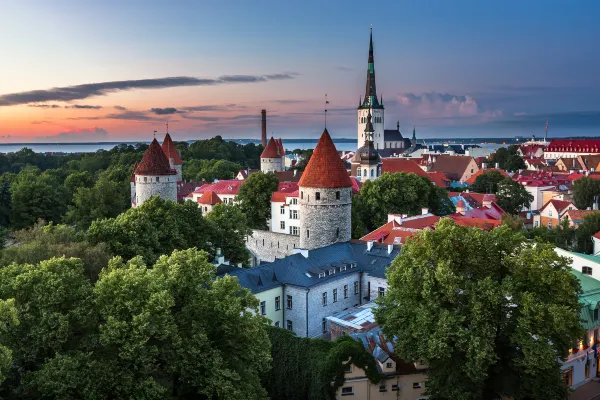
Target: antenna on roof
<point x="154" y="134"/>
<point x="167" y="128"/>
<point x="326" y="102"/>
<point x="546" y="135"/>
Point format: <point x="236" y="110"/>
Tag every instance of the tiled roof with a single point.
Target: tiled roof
<point x="578" y="215"/>
<point x="272" y="150"/>
<point x="535" y="161"/>
<point x="572" y="145"/>
<point x="530" y="150"/>
<point x="392" y="135"/>
<point x="473" y="200"/>
<point x="230" y="186"/>
<point x="209" y="198"/>
<point x="439" y="179"/>
<point x="247" y="172"/>
<point x="453" y="166"/>
<point x="570" y="163"/>
<point x="481" y="223"/>
<point x="154" y="162"/>
<point x="575" y="176"/>
<point x="402" y="165"/>
<point x="460" y="203"/>
<point x="325" y="168"/>
<point x="473" y="177"/>
<point x="597" y="235"/>
<point x="559" y="205"/>
<point x="170" y="150"/>
<point x="185" y="188"/>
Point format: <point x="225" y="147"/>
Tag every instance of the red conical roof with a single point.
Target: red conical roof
<point x="209" y="198"/>
<point x="170" y="150"/>
<point x="272" y="150"/>
<point x="154" y="162"/>
<point x="280" y="144"/>
<point x="460" y="204"/>
<point x="325" y="168"/>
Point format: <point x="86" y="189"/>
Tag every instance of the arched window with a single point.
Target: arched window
<point x="586" y="270"/>
<point x="372" y="173"/>
<point x="365" y="172"/>
<point x="358" y="172"/>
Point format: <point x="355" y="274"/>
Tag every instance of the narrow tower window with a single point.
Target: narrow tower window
<point x="337" y="233"/>
<point x="337" y="195"/>
<point x="307" y="234"/>
<point x="318" y="196"/>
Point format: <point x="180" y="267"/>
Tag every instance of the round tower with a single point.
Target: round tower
<point x="366" y="163"/>
<point x="154" y="176"/>
<point x="325" y="198"/>
<point x="271" y="159"/>
<point x="173" y="155"/>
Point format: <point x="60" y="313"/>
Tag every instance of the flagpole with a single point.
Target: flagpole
<point x="326" y="102"/>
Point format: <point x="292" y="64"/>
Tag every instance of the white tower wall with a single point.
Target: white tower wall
<point x="378" y="123"/>
<point x="147" y="186"/>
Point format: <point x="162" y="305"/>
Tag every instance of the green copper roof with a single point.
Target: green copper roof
<point x="589" y="299"/>
<point x="589" y="257"/>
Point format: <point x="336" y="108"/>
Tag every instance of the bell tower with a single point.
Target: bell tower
<point x="370" y="104"/>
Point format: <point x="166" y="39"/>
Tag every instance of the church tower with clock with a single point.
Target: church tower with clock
<point x="370" y="104"/>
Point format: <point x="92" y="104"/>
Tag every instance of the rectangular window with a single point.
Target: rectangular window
<point x="345" y="291"/>
<point x="289" y="325"/>
<point x="263" y="308"/>
<point x="549" y="225"/>
<point x="348" y="368"/>
<point x="157" y="179"/>
<point x="586" y="270"/>
<point x="380" y="292"/>
<point x="348" y="391"/>
<point x="383" y="387"/>
<point x="324" y="325"/>
<point x="355" y="287"/>
<point x="337" y="195"/>
<point x="294" y="230"/>
<point x="596" y="314"/>
<point x="277" y="324"/>
<point x="334" y="295"/>
<point x="277" y="303"/>
<point x="293" y="214"/>
<point x="282" y="210"/>
<point x="388" y="365"/>
<point x="317" y="195"/>
<point x="307" y="234"/>
<point x="294" y="201"/>
<point x="282" y="224"/>
<point x="395" y="388"/>
<point x="289" y="302"/>
<point x="324" y="298"/>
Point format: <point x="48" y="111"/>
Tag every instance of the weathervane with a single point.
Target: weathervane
<point x="167" y="128"/>
<point x="155" y="134"/>
<point x="326" y="102"/>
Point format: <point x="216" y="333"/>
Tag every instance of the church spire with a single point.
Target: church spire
<point x="370" y="99"/>
<point x="414" y="138"/>
<point x="369" y="131"/>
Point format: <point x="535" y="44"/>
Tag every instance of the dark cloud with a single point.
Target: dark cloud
<point x="212" y="107"/>
<point x="80" y="92"/>
<point x="573" y="119"/>
<point x="84" y="106"/>
<point x="40" y="122"/>
<point x="164" y="111"/>
<point x="200" y="118"/>
<point x="44" y="105"/>
<point x="125" y="116"/>
<point x="288" y="101"/>
<point x="120" y="108"/>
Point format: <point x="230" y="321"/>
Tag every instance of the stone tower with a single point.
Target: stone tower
<point x="370" y="104"/>
<point x="325" y="198"/>
<point x="173" y="155"/>
<point x="271" y="159"/>
<point x="366" y="163"/>
<point x="154" y="176"/>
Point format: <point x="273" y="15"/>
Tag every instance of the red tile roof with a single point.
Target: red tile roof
<point x="574" y="146"/>
<point x="170" y="150"/>
<point x="453" y="166"/>
<point x="597" y="235"/>
<point x="473" y="177"/>
<point x="154" y="162"/>
<point x="574" y="176"/>
<point x="579" y="215"/>
<point x="209" y="198"/>
<point x="402" y="165"/>
<point x="529" y="150"/>
<point x="482" y="223"/>
<point x="230" y="187"/>
<point x="325" y="168"/>
<point x="439" y="179"/>
<point x="559" y="205"/>
<point x="475" y="200"/>
<point x="272" y="150"/>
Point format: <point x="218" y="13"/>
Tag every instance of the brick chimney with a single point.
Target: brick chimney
<point x="263" y="136"/>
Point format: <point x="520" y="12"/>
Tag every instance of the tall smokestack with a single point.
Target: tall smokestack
<point x="264" y="128"/>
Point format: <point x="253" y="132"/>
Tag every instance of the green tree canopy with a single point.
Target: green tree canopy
<point x="230" y="228"/>
<point x="584" y="191"/>
<point x="512" y="196"/>
<point x="36" y="196"/>
<point x="395" y="193"/>
<point x="42" y="242"/>
<point x="487" y="182"/>
<point x="508" y="159"/>
<point x="209" y="170"/>
<point x="490" y="313"/>
<point x="254" y="198"/>
<point x="584" y="232"/>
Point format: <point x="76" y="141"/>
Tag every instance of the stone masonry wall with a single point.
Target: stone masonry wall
<point x="297" y="314"/>
<point x="147" y="186"/>
<point x="321" y="219"/>
<point x="271" y="165"/>
<point x="267" y="246"/>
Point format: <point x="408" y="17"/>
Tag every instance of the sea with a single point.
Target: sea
<point x="290" y="144"/>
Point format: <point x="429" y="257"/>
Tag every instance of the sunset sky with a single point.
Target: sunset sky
<point x="118" y="70"/>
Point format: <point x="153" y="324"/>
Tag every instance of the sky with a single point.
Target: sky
<point x="119" y="70"/>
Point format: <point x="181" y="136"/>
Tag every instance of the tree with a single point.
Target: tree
<point x="103" y="200"/>
<point x="254" y="198"/>
<point x="36" y="195"/>
<point x="8" y="319"/>
<point x="508" y="159"/>
<point x="585" y="189"/>
<point x="396" y="193"/>
<point x="512" y="196"/>
<point x="78" y="180"/>
<point x="5" y="202"/>
<point x="229" y="227"/>
<point x="490" y="313"/>
<point x="584" y="232"/>
<point x="488" y="182"/>
<point x="44" y="241"/>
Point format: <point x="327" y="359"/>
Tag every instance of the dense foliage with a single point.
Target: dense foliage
<point x="160" y="226"/>
<point x="585" y="191"/>
<point x="567" y="237"/>
<point x="168" y="332"/>
<point x="395" y="193"/>
<point x="254" y="198"/>
<point x="305" y="368"/>
<point x="512" y="196"/>
<point x="490" y="313"/>
<point x="487" y="182"/>
<point x="508" y="158"/>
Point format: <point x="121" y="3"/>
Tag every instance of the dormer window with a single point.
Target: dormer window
<point x="353" y="265"/>
<point x="342" y="268"/>
<point x="331" y="271"/>
<point x="321" y="274"/>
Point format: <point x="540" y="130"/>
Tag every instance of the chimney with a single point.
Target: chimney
<point x="483" y="166"/>
<point x="424" y="210"/>
<point x="497" y="165"/>
<point x="218" y="251"/>
<point x="295" y="172"/>
<point x="390" y="248"/>
<point x="263" y="136"/>
<point x="369" y="245"/>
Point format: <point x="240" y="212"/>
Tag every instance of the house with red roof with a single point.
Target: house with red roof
<point x="173" y="155"/>
<point x="552" y="213"/>
<point x="457" y="168"/>
<point x="412" y="166"/>
<point x="534" y="164"/>
<point x="571" y="148"/>
<point x="531" y="151"/>
<point x="596" y="240"/>
<point x="207" y="201"/>
<point x="575" y="217"/>
<point x="480" y="172"/>
<point x="226" y="190"/>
